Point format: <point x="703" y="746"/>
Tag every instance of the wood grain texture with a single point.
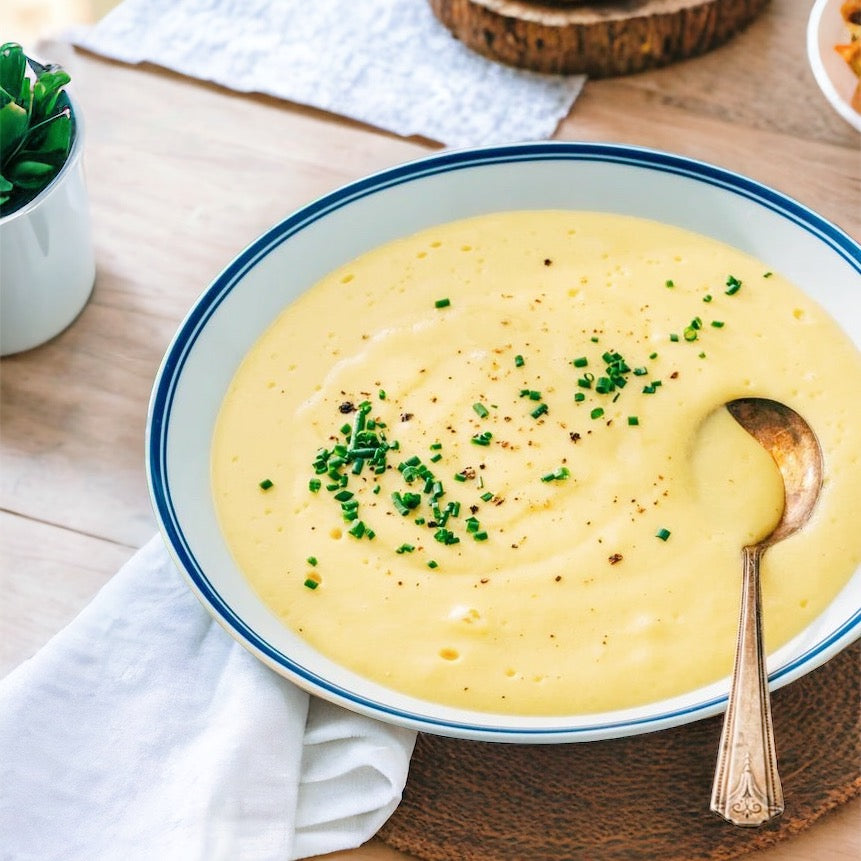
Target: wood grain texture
<point x="182" y="175"/>
<point x="601" y="39"/>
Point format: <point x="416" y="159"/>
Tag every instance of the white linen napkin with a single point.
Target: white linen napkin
<point x="389" y="63"/>
<point x="144" y="731"/>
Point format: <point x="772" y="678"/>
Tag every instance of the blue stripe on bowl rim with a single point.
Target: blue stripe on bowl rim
<point x="171" y="369"/>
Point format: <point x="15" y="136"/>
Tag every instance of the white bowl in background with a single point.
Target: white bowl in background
<point x="825" y="29"/>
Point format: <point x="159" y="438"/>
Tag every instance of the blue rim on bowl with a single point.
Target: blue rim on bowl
<point x="731" y="204"/>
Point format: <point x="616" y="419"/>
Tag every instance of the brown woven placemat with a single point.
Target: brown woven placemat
<point x="642" y="797"/>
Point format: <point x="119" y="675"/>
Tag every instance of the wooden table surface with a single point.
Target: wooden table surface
<point x="182" y="175"/>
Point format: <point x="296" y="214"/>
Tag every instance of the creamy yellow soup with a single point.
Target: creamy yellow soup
<point x="488" y="465"/>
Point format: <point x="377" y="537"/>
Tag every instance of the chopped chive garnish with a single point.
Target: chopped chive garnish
<point x="733" y="285"/>
<point x="486" y="497"/>
<point x="653" y="355"/>
<point x="718" y="324"/>
<point x="767" y="274"/>
<point x="633" y="420"/>
<point x="343" y="495"/>
<point x="674" y="337"/>
<point x="442" y="303"/>
<point x="669" y="283"/>
<point x="266" y="484"/>
<point x="311" y="583"/>
<point x="405" y="548"/>
<point x="358" y="529"/>
<point x="481" y="410"/>
<point x="558" y="474"/>
<point x="459" y="476"/>
<point x="579" y="396"/>
<point x="708" y="297"/>
<point x="435" y="446"/>
<point x="594" y="339"/>
<point x="519" y="361"/>
<point x="382" y="395"/>
<point x="482" y="438"/>
<point x="597" y="412"/>
<point x="580" y="362"/>
<point x="480" y="536"/>
<point x="314" y="485"/>
<point x="311" y="560"/>
<point x="539" y="411"/>
<point x="663" y="534"/>
<point x="433" y="564"/>
<point x="436" y="458"/>
<point x="377" y="488"/>
<point x="702" y="355"/>
<point x="690" y="333"/>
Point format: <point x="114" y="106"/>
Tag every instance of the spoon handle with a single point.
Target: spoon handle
<point x="747" y="788"/>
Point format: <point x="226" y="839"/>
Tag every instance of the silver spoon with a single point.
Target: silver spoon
<point x="747" y="789"/>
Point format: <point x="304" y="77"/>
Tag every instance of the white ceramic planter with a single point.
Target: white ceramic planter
<point x="47" y="266"/>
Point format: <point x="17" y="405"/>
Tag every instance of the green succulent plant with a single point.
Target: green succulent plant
<point x="35" y="126"/>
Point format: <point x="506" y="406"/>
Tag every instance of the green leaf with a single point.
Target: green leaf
<point x="57" y="136"/>
<point x="5" y="185"/>
<point x="13" y="65"/>
<point x="31" y="174"/>
<point x="13" y="128"/>
<point x="46" y="91"/>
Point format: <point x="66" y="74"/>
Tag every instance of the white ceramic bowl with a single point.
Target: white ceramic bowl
<point x="249" y="293"/>
<point x="47" y="263"/>
<point x="825" y="29"/>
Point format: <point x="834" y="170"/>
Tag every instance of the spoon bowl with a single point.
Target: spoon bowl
<point x="747" y="789"/>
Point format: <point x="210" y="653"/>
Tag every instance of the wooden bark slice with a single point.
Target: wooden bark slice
<point x="600" y="39"/>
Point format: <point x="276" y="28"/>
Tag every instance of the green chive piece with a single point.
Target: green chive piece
<point x="435" y="446"/>
<point x="314" y="485"/>
<point x="733" y="285"/>
<point x="767" y="274"/>
<point x="663" y="534"/>
<point x="311" y="583"/>
<point x="580" y="362"/>
<point x="436" y="458"/>
<point x="377" y="489"/>
<point x="481" y="410"/>
<point x="708" y="297"/>
<point x="433" y="564"/>
<point x="633" y="420"/>
<point x="311" y="560"/>
<point x="358" y="529"/>
<point x="539" y="411"/>
<point x="702" y="355"/>
<point x="652" y="356"/>
<point x="442" y="303"/>
<point x="690" y="333"/>
<point x="343" y="495"/>
<point x="597" y="412"/>
<point x="266" y="484"/>
<point x="405" y="548"/>
<point x="482" y="438"/>
<point x="382" y="394"/>
<point x="718" y="324"/>
<point x="674" y="337"/>
<point x="594" y="339"/>
<point x="486" y="497"/>
<point x="579" y="396"/>
<point x="480" y="536"/>
<point x="519" y="361"/>
<point x="669" y="283"/>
